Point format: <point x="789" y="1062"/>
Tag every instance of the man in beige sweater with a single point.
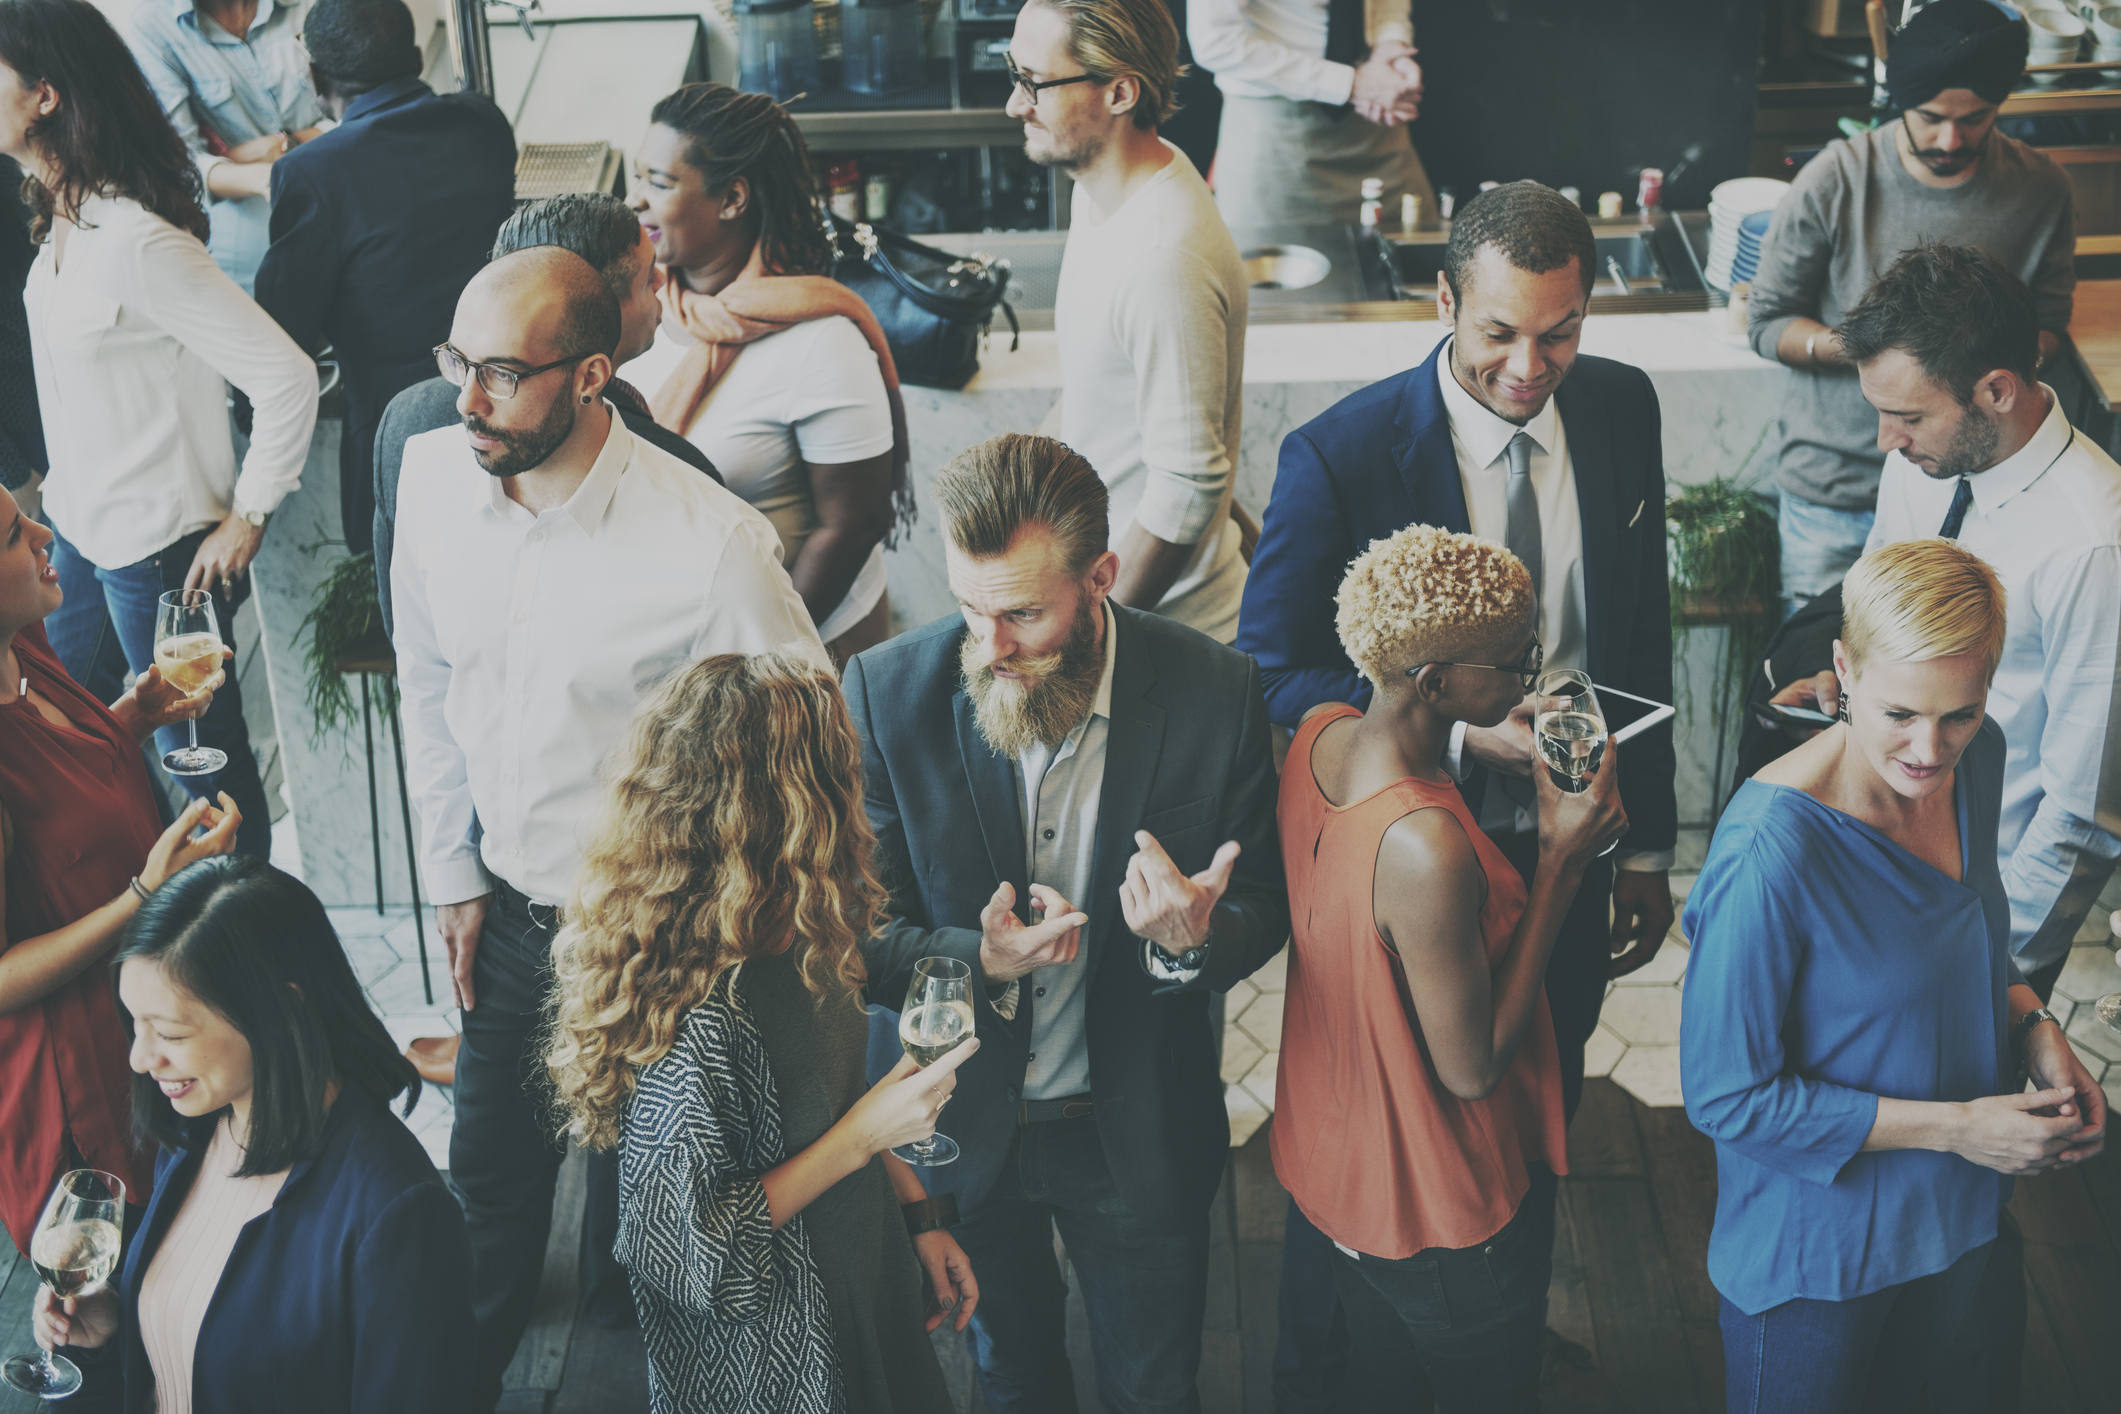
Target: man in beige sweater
<point x="1151" y="306"/>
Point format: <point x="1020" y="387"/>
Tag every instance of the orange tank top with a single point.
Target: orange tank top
<point x="1373" y="1147"/>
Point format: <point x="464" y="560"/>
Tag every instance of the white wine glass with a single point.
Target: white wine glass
<point x="188" y="651"/>
<point x="1569" y="725"/>
<point x="75" y="1249"/>
<point x="2109" y="1006"/>
<point x="937" y="1016"/>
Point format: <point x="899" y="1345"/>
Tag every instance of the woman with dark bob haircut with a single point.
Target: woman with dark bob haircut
<point x="300" y="1252"/>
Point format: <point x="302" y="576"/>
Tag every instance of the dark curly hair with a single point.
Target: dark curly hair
<point x="730" y="135"/>
<point x="108" y="133"/>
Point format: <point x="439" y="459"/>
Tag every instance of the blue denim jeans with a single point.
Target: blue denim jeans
<point x="1819" y="544"/>
<point x="1460" y="1329"/>
<point x="1311" y="1349"/>
<point x="1871" y="1353"/>
<point x="106" y="627"/>
<point x="1144" y="1284"/>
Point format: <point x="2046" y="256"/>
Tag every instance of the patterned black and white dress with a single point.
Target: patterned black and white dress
<point x="826" y="1314"/>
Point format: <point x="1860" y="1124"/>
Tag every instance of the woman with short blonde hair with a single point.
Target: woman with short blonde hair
<point x="1854" y="1023"/>
<point x="708" y="1023"/>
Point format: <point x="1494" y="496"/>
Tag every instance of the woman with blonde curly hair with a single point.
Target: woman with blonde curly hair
<point x="1417" y="1117"/>
<point x="709" y="1025"/>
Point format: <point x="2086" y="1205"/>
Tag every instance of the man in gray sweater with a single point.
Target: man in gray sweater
<point x="1941" y="172"/>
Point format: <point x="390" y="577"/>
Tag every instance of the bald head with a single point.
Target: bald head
<point x="547" y="301"/>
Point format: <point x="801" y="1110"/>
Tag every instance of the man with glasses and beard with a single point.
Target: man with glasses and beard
<point x="550" y="568"/>
<point x="1940" y="171"/>
<point x="1076" y="800"/>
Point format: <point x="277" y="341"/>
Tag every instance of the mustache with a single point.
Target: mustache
<point x="484" y="428"/>
<point x="1045" y="665"/>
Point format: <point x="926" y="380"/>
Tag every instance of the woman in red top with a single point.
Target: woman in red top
<point x="1417" y="1116"/>
<point x="79" y="828"/>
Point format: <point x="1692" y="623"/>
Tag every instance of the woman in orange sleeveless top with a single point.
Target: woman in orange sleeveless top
<point x="1417" y="1117"/>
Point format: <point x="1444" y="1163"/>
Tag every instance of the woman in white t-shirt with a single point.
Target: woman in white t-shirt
<point x="781" y="374"/>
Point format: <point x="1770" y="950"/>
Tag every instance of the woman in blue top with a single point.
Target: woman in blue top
<point x="300" y="1252"/>
<point x="1853" y="1023"/>
<point x="235" y="83"/>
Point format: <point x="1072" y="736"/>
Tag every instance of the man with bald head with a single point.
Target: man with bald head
<point x="551" y="568"/>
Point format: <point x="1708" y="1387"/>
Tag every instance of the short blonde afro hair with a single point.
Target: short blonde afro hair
<point x="1427" y="595"/>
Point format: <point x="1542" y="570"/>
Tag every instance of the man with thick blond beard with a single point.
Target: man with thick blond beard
<point x="1048" y="750"/>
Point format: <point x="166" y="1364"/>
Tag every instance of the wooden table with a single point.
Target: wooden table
<point x="2095" y="339"/>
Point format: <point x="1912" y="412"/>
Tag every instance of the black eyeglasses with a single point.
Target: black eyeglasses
<point x="1033" y="90"/>
<point x="1528" y="670"/>
<point x="500" y="383"/>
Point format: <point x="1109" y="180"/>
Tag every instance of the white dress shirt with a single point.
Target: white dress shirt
<point x="526" y="642"/>
<point x="1481" y="438"/>
<point x="1276" y="48"/>
<point x="132" y="340"/>
<point x="2048" y="521"/>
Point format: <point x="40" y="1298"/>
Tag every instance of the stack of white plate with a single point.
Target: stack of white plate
<point x="2056" y="33"/>
<point x="1729" y="204"/>
<point x="2106" y="35"/>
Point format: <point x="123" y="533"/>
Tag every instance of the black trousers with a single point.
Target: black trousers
<point x="504" y="1150"/>
<point x="1583" y="955"/>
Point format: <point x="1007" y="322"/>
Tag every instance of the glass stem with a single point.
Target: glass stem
<point x="191" y="725"/>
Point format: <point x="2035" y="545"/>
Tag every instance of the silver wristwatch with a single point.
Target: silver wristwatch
<point x="255" y="519"/>
<point x="2023" y="1026"/>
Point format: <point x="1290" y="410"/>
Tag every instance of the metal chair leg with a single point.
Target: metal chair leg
<point x="375" y="818"/>
<point x="412" y="865"/>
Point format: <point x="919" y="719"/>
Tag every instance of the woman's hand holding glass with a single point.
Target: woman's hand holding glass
<point x="84" y="1322"/>
<point x="1576" y="827"/>
<point x="177" y="847"/>
<point x="901" y="1108"/>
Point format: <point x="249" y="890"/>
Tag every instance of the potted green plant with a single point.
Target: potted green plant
<point x="345" y="626"/>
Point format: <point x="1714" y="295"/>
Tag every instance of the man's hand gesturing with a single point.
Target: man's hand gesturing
<point x="1010" y="947"/>
<point x="1168" y="908"/>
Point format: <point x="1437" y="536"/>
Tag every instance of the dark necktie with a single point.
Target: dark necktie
<point x="1956" y="516"/>
<point x="1523" y="538"/>
<point x="1344" y="37"/>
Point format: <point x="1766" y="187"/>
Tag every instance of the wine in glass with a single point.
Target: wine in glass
<point x="937" y="1016"/>
<point x="188" y="651"/>
<point x="75" y="1249"/>
<point x="1569" y="726"/>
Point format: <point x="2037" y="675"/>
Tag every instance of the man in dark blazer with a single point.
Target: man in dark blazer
<point x="1505" y="432"/>
<point x="602" y="230"/>
<point x="1049" y="749"/>
<point x="379" y="224"/>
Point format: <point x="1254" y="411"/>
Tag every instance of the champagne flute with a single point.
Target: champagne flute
<point x="1569" y="726"/>
<point x="937" y="1016"/>
<point x="75" y="1249"/>
<point x="188" y="651"/>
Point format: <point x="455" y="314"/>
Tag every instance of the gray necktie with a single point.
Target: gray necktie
<point x="1522" y="537"/>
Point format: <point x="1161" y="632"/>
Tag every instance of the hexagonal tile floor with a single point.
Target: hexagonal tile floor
<point x="384" y="950"/>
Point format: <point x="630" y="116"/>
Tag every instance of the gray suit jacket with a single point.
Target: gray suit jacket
<point x="1188" y="759"/>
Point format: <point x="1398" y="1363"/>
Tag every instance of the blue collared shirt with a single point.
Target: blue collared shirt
<point x="1830" y="967"/>
<point x="239" y="89"/>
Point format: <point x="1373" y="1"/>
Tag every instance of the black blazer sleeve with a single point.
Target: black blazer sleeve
<point x="1287" y="623"/>
<point x="1251" y="922"/>
<point x="1647" y="763"/>
<point x="299" y="275"/>
<point x="412" y="1308"/>
<point x="907" y="936"/>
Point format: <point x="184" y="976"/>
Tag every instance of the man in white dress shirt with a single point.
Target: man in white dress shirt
<point x="1151" y="308"/>
<point x="1946" y="344"/>
<point x="1316" y="97"/>
<point x="550" y="569"/>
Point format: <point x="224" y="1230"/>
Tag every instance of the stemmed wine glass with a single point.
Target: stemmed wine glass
<point x="1569" y="725"/>
<point x="937" y="1016"/>
<point x="188" y="651"/>
<point x="75" y="1249"/>
<point x="2109" y="1006"/>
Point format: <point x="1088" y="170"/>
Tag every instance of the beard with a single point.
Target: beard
<point x="1972" y="448"/>
<point x="1057" y="154"/>
<point x="1056" y="693"/>
<point x="527" y="450"/>
<point x="1946" y="164"/>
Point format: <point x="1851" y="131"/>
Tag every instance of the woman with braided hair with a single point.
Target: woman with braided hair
<point x="785" y="381"/>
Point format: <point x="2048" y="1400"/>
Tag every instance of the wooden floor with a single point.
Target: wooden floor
<point x="1630" y="1287"/>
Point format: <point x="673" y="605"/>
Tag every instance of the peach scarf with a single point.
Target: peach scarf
<point x="752" y="306"/>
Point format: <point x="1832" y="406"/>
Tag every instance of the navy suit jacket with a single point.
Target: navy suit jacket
<point x="351" y="1293"/>
<point x="1380" y="460"/>
<point x="377" y="226"/>
<point x="1188" y="757"/>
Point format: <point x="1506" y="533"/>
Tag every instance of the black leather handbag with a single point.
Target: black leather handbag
<point x="933" y="305"/>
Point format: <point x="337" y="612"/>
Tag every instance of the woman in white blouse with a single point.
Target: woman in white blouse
<point x="785" y="381"/>
<point x="133" y="330"/>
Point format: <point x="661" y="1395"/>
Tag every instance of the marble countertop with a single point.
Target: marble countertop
<point x="1365" y="352"/>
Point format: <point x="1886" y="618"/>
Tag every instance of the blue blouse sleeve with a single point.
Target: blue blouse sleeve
<point x="1748" y="946"/>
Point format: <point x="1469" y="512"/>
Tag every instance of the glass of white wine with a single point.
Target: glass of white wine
<point x="75" y="1249"/>
<point x="188" y="651"/>
<point x="937" y="1016"/>
<point x="1569" y="726"/>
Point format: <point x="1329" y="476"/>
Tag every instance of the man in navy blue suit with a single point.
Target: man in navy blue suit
<point x="379" y="224"/>
<point x="1505" y="432"/>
